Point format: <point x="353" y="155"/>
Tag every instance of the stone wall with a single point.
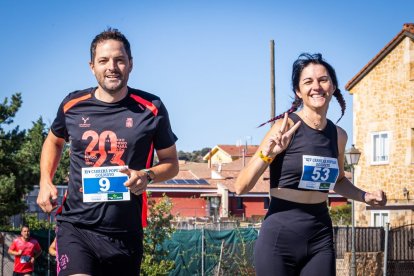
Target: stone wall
<point x="367" y="264"/>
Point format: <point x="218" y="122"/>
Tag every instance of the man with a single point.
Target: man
<point x="26" y="250"/>
<point x="113" y="131"/>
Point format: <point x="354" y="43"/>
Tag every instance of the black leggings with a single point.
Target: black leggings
<point x="295" y="239"/>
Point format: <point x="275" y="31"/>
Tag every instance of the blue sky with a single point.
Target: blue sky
<point x="208" y="60"/>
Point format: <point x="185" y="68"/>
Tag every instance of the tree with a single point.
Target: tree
<point x="10" y="198"/>
<point x="341" y="215"/>
<point x="19" y="159"/>
<point x="159" y="229"/>
<point x="195" y="156"/>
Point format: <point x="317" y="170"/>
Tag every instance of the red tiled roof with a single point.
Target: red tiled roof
<point x="229" y="172"/>
<point x="408" y="30"/>
<point x="237" y="151"/>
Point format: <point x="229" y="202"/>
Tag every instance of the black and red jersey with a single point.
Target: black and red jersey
<point x="110" y="134"/>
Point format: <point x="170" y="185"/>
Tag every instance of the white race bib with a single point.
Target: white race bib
<point x="24" y="259"/>
<point x="319" y="173"/>
<point x="102" y="184"/>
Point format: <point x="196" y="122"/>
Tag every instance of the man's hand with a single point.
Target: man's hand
<point x="47" y="196"/>
<point x="377" y="198"/>
<point x="137" y="182"/>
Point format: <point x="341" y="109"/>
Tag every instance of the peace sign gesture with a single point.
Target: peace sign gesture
<point x="279" y="136"/>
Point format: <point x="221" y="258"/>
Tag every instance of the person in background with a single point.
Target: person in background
<point x="25" y="251"/>
<point x="112" y="130"/>
<point x="305" y="152"/>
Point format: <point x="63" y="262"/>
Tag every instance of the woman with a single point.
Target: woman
<point x="305" y="152"/>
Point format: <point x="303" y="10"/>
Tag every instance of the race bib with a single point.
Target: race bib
<point x="319" y="173"/>
<point x="24" y="259"/>
<point x="102" y="184"/>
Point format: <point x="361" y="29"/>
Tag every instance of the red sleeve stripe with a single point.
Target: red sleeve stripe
<point x="144" y="194"/>
<point x="146" y="103"/>
<point x="73" y="102"/>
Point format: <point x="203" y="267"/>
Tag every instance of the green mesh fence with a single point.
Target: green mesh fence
<point x="210" y="252"/>
<point x="195" y="252"/>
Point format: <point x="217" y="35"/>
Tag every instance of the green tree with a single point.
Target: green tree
<point x="34" y="223"/>
<point x="10" y="142"/>
<point x="195" y="156"/>
<point x="341" y="215"/>
<point x="159" y="229"/>
<point x="19" y="159"/>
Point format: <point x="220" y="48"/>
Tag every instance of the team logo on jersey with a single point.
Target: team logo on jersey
<point x="85" y="122"/>
<point x="129" y="122"/>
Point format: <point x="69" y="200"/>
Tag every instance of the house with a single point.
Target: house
<point x="383" y="130"/>
<point x="222" y="154"/>
<point x="200" y="191"/>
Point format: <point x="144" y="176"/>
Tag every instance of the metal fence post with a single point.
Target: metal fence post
<point x="387" y="228"/>
<point x="202" y="251"/>
<point x="2" y="253"/>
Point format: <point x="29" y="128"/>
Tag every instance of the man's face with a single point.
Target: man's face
<point x="111" y="66"/>
<point x="25" y="233"/>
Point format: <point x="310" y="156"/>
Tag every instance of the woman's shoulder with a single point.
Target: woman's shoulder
<point x="342" y="136"/>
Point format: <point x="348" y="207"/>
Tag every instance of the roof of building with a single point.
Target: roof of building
<point x="233" y="151"/>
<point x="194" y="175"/>
<point x="407" y="31"/>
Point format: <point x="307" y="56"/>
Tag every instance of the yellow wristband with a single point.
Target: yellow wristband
<point x="266" y="159"/>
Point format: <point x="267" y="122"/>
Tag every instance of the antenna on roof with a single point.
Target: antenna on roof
<point x="238" y="142"/>
<point x="248" y="138"/>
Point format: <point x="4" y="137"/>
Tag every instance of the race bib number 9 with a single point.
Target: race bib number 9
<point x="102" y="184"/>
<point x="319" y="173"/>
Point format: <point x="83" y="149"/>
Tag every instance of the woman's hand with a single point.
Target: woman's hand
<point x="279" y="138"/>
<point x="377" y="198"/>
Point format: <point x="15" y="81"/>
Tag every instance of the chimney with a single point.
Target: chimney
<point x="409" y="27"/>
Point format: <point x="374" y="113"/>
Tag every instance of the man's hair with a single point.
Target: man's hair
<point x="24" y="226"/>
<point x="110" y="33"/>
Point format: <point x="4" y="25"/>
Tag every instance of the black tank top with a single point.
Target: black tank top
<point x="311" y="159"/>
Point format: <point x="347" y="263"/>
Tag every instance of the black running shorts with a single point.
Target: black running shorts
<point x="83" y="251"/>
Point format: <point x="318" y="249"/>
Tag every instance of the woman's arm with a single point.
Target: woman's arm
<point x="276" y="141"/>
<point x="345" y="188"/>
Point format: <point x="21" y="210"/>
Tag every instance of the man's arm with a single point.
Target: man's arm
<point x="49" y="161"/>
<point x="166" y="168"/>
<point x="12" y="250"/>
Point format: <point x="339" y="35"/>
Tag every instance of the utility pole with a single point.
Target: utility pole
<point x="272" y="81"/>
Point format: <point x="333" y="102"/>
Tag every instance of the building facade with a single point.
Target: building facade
<point x="383" y="130"/>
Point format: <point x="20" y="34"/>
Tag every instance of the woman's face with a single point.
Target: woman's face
<point x="315" y="86"/>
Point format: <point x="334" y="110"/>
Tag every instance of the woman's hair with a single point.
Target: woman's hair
<point x="304" y="60"/>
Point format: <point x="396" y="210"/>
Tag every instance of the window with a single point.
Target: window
<point x="266" y="203"/>
<point x="239" y="203"/>
<point x="380" y="147"/>
<point x="379" y="218"/>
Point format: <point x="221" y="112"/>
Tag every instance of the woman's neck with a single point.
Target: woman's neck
<point x="314" y="119"/>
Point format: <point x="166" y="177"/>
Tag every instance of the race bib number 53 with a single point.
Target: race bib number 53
<point x="319" y="173"/>
<point x="102" y="184"/>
